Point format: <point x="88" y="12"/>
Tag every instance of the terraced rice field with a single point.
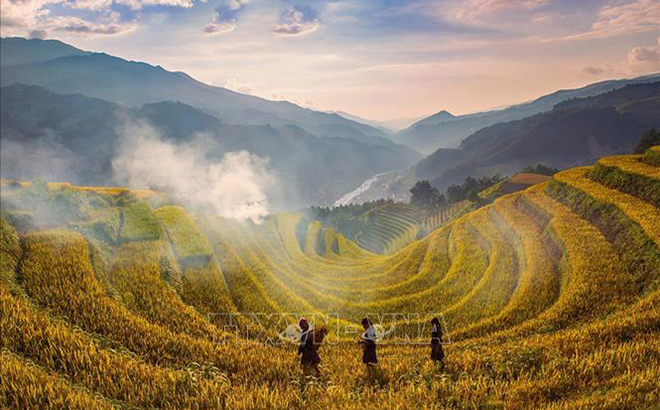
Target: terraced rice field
<point x="391" y="227"/>
<point x="549" y="298"/>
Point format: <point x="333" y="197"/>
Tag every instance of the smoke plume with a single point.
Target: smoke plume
<point x="235" y="185"/>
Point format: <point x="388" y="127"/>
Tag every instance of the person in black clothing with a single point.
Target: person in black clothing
<point x="310" y="341"/>
<point x="437" y="354"/>
<point x="368" y="342"/>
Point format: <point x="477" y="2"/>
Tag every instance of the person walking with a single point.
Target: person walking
<point x="368" y="342"/>
<point x="310" y="341"/>
<point x="437" y="354"/>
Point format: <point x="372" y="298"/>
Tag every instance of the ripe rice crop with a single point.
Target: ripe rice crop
<point x="548" y="299"/>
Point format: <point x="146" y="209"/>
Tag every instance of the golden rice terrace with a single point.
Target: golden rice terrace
<point x="549" y="298"/>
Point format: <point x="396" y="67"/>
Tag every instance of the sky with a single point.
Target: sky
<point x="378" y="59"/>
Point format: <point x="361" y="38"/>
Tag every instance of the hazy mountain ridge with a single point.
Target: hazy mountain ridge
<point x="81" y="134"/>
<point x="573" y="133"/>
<point x="443" y="130"/>
<point x="134" y="84"/>
<point x="15" y="51"/>
<point x="388" y="126"/>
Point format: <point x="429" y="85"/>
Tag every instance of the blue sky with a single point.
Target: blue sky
<point x="380" y="59"/>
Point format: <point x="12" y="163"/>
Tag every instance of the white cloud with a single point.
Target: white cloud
<point x="295" y="22"/>
<point x="237" y="4"/>
<point x="645" y="59"/>
<point x="632" y="17"/>
<point x="639" y="60"/>
<point x="139" y="4"/>
<point x="213" y="29"/>
<point x="15" y="15"/>
<point x="94" y="5"/>
<point x="219" y="25"/>
<point x="76" y="25"/>
<point x="22" y="17"/>
<point x="636" y="16"/>
<point x="473" y="10"/>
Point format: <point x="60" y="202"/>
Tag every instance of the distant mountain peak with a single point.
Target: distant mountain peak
<point x="438" y="117"/>
<point x="443" y="114"/>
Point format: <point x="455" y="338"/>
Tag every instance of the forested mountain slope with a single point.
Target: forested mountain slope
<point x="444" y="130"/>
<point x="573" y="133"/>
<point x="75" y="139"/>
<point x="134" y="84"/>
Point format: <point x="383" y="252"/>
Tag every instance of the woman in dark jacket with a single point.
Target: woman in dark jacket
<point x="368" y="342"/>
<point x="437" y="354"/>
<point x="310" y="341"/>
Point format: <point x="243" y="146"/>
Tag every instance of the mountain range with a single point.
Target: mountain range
<point x="72" y="103"/>
<point x="65" y="69"/>
<point x="444" y="130"/>
<point x="574" y="132"/>
<point x="85" y="133"/>
<point x="389" y="126"/>
<point x="69" y="105"/>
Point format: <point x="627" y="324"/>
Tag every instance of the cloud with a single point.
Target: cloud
<point x="22" y="14"/>
<point x="140" y="4"/>
<point x="225" y="18"/>
<point x="40" y="34"/>
<point x="296" y="21"/>
<point x="21" y="17"/>
<point x="592" y="71"/>
<point x="234" y="186"/>
<point x="644" y="59"/>
<point x="631" y="17"/>
<point x="237" y="4"/>
<point x="76" y="25"/>
<point x="474" y="9"/>
<point x="644" y="54"/>
<point x="219" y="25"/>
<point x="639" y="60"/>
<point x="94" y="5"/>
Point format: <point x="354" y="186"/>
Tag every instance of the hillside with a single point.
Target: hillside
<point x="134" y="84"/>
<point x="444" y="130"/>
<point x="75" y="138"/>
<point x="548" y="298"/>
<point x="573" y="133"/>
<point x="382" y="227"/>
<point x="17" y="51"/>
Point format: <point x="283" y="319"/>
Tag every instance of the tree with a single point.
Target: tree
<point x="424" y="194"/>
<point x="540" y="169"/>
<point x="648" y="140"/>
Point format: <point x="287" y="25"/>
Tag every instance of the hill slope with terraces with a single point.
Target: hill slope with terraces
<point x="548" y="297"/>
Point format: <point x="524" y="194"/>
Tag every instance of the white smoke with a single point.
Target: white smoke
<point x="235" y="186"/>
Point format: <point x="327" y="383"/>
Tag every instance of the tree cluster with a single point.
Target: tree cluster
<point x="425" y="195"/>
<point x="470" y="188"/>
<point x="540" y="169"/>
<point x="649" y="139"/>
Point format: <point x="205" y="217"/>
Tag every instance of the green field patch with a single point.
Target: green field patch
<point x="138" y="223"/>
<point x="190" y="246"/>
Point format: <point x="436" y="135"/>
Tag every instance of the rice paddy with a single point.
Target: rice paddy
<point x="549" y="299"/>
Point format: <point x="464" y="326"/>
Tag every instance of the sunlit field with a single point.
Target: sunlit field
<point x="548" y="298"/>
